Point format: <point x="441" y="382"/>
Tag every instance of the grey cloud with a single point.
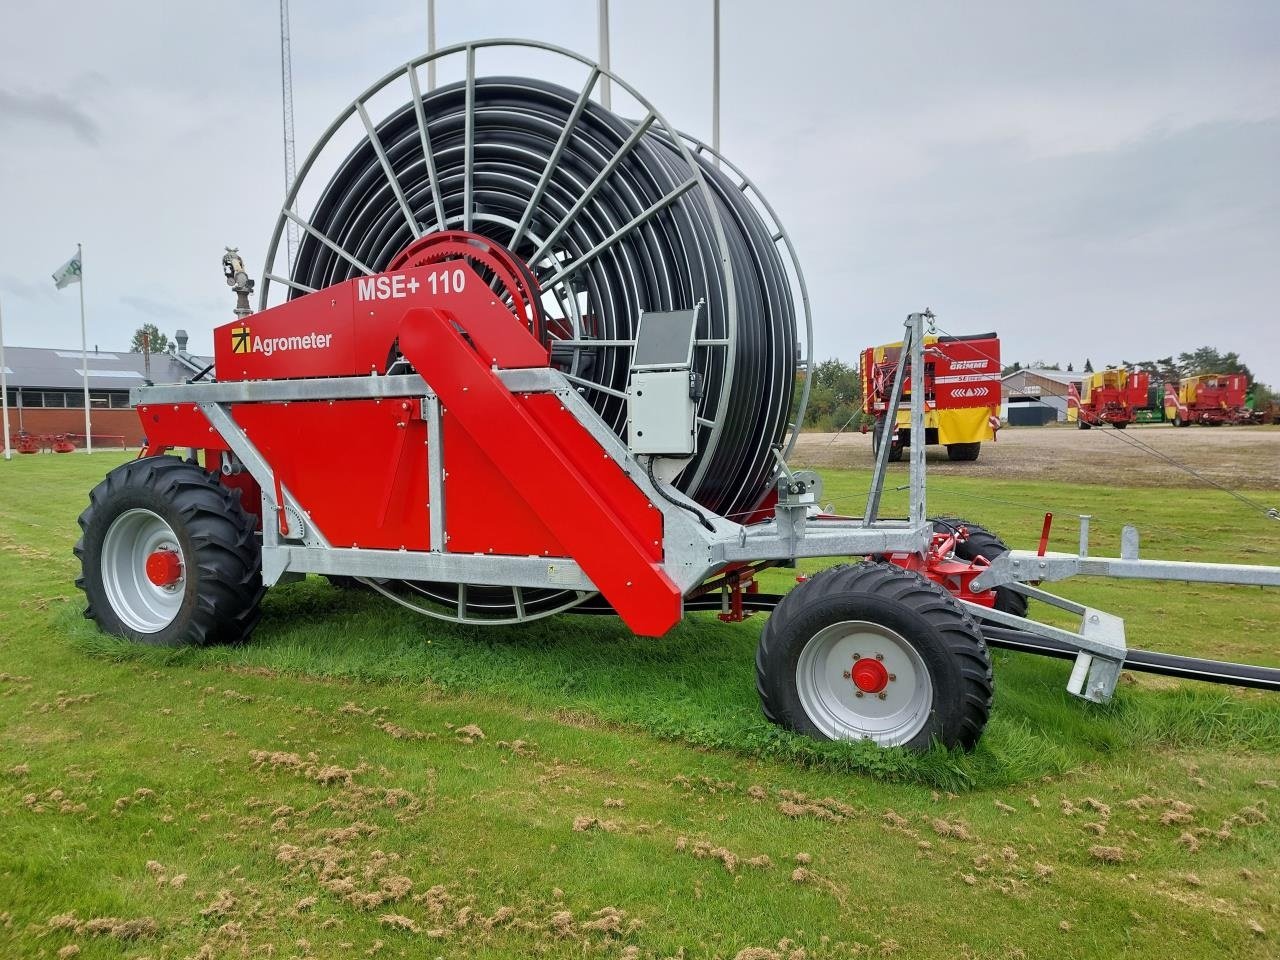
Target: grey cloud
<point x="154" y="308"/>
<point x="27" y="289"/>
<point x="49" y="110"/>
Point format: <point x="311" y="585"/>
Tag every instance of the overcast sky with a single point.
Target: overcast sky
<point x="1090" y="179"/>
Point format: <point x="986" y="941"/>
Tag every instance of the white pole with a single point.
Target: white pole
<point x="715" y="80"/>
<point x="431" y="43"/>
<point x="602" y="20"/>
<point x="4" y="392"/>
<point x="84" y="356"/>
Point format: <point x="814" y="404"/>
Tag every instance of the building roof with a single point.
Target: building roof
<point x="1061" y="376"/>
<point x="43" y="368"/>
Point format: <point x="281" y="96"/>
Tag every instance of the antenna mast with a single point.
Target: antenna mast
<point x="286" y="97"/>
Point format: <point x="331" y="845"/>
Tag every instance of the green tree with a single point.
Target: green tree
<point x="157" y="342"/>
<point x="835" y="396"/>
<point x="1209" y="360"/>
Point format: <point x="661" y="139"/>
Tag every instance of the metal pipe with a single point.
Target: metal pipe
<point x="602" y="22"/>
<point x="1144" y="661"/>
<point x="431" y="44"/>
<point x="715" y="81"/>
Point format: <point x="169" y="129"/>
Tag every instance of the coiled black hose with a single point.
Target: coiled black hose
<point x="669" y="262"/>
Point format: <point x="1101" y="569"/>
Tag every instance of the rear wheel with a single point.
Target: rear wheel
<point x="872" y="651"/>
<point x="963" y="451"/>
<point x="168" y="556"/>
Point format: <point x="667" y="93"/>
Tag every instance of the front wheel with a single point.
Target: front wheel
<point x="1120" y="426"/>
<point x="168" y="556"/>
<point x="1082" y="424"/>
<point x="872" y="651"/>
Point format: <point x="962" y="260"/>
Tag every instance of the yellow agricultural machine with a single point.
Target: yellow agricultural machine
<point x="962" y="394"/>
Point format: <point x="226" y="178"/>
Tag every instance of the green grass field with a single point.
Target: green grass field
<point x="361" y="781"/>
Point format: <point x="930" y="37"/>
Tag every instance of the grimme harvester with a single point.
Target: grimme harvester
<point x="962" y="394"/>
<point x="1212" y="399"/>
<point x="535" y="358"/>
<point x="1112" y="396"/>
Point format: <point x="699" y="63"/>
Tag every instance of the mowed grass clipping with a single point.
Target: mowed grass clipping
<point x="358" y="779"/>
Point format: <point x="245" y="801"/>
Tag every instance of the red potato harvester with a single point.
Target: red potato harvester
<point x="566" y="374"/>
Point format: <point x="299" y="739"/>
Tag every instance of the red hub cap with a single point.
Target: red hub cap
<point x="870" y="676"/>
<point x="164" y="568"/>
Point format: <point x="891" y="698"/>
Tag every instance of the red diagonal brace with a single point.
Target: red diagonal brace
<point x="608" y="551"/>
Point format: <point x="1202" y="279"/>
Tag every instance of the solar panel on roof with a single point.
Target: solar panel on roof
<point x="77" y="355"/>
<point x="118" y="374"/>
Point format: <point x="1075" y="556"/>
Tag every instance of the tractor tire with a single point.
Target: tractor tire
<point x="1178" y="421"/>
<point x="168" y="556"/>
<point x="1082" y="424"/>
<point x="983" y="543"/>
<point x="872" y="651"/>
<point x="1120" y="426"/>
<point x="963" y="451"/>
<point x="895" y="446"/>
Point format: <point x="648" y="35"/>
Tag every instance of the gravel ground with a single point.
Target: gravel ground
<point x="1239" y="457"/>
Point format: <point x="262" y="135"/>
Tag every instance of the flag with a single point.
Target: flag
<point x="68" y="273"/>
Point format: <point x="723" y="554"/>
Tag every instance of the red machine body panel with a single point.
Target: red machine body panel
<point x="176" y="425"/>
<point x="522" y="476"/>
<point x="960" y="373"/>
<point x="377" y="499"/>
<point x="966" y="372"/>
<point x="487" y="512"/>
<point x="348" y="329"/>
<point x="601" y="472"/>
<point x="613" y="549"/>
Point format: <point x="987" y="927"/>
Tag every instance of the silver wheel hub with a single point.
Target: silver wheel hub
<point x="860" y="680"/>
<point x="143" y="571"/>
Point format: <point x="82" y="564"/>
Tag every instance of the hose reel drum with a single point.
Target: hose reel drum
<point x="616" y="218"/>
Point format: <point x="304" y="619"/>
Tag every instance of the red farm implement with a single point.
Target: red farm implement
<point x="590" y="414"/>
<point x="962" y="394"/>
<point x="1212" y="399"/>
<point x="1111" y="397"/>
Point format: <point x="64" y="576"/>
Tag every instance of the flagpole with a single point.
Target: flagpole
<point x="4" y="391"/>
<point x="84" y="356"/>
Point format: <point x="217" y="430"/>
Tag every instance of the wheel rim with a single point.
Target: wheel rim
<point x="860" y="680"/>
<point x="134" y="538"/>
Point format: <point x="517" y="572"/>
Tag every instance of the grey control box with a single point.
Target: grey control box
<point x="662" y="389"/>
<point x="662" y="413"/>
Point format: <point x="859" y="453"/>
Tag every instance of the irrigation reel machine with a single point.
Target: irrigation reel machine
<point x="534" y="358"/>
